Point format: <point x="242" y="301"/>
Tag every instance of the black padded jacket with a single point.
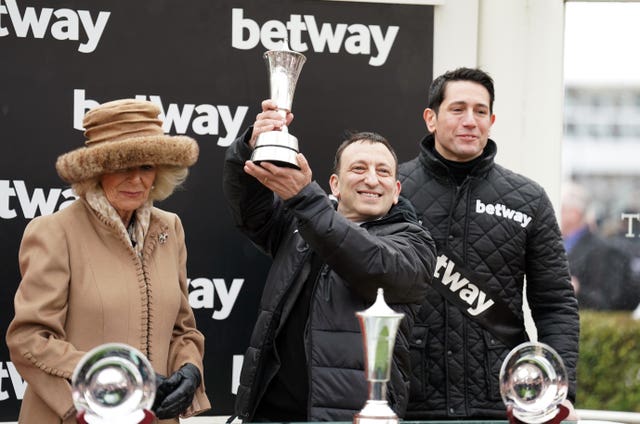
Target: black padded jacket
<point x="393" y="253"/>
<point x="502" y="226"/>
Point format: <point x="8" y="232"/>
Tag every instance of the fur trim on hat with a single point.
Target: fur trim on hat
<point x="124" y="134"/>
<point x="90" y="162"/>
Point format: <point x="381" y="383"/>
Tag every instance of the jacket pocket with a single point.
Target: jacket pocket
<point x="496" y="351"/>
<point x="419" y="367"/>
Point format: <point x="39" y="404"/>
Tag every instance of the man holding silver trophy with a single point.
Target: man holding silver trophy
<point x="305" y="361"/>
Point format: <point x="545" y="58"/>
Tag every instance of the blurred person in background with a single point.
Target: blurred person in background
<point x="600" y="270"/>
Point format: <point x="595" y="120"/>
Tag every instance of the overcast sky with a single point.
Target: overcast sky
<point x="602" y="42"/>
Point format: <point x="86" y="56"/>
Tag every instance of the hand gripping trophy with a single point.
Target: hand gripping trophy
<point x="280" y="147"/>
<point x="114" y="383"/>
<point x="379" y="325"/>
<point x="533" y="384"/>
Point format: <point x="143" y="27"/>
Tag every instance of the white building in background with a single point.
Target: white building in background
<point x="601" y="129"/>
<point x="601" y="146"/>
<point x="601" y="141"/>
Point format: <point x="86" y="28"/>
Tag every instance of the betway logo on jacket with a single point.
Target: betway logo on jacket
<point x="502" y="211"/>
<point x="447" y="274"/>
<point x="355" y="38"/>
<point x="62" y="24"/>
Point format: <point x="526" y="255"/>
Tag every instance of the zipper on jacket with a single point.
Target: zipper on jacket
<point x="326" y="289"/>
<point x="452" y="208"/>
<point x="465" y="230"/>
<point x="253" y="401"/>
<point x="326" y="296"/>
<point x="460" y="191"/>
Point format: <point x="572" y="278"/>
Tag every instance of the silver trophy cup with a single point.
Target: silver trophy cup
<point x="379" y="325"/>
<point x="533" y="381"/>
<point x="280" y="147"/>
<point x="113" y="383"/>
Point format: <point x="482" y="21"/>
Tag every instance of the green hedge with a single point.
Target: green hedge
<point x="609" y="364"/>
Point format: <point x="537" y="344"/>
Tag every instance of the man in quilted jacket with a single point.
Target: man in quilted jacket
<point x="493" y="230"/>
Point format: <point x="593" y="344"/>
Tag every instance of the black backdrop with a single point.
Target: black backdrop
<point x="58" y="58"/>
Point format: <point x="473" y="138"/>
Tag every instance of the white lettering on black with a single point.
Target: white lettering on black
<point x="38" y="201"/>
<point x="202" y="119"/>
<point x="19" y="385"/>
<point x="466" y="290"/>
<point x="65" y="24"/>
<point x="502" y="211"/>
<point x="355" y="38"/>
<point x="203" y="294"/>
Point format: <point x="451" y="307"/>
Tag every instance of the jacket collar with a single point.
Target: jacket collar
<point x="435" y="165"/>
<point x="403" y="211"/>
<point x="156" y="228"/>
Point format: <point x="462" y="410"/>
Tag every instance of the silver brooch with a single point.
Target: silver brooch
<point x="162" y="237"/>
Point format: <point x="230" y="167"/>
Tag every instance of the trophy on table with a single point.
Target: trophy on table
<point x="280" y="147"/>
<point x="533" y="384"/>
<point x="379" y="325"/>
<point x="114" y="383"/>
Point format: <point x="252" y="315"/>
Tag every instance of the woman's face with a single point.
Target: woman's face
<point x="128" y="189"/>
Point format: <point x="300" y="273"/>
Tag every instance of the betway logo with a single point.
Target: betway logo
<point x="466" y="290"/>
<point x="204" y="119"/>
<point x="356" y="38"/>
<point x="204" y="293"/>
<point x="31" y="204"/>
<point x="11" y="373"/>
<point x="65" y="24"/>
<point x="502" y="211"/>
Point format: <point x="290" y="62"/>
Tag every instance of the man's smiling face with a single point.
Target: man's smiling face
<point x="365" y="185"/>
<point x="461" y="125"/>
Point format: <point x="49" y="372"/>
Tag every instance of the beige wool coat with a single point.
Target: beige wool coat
<point x="83" y="285"/>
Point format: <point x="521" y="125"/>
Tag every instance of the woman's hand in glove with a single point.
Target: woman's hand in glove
<point x="175" y="393"/>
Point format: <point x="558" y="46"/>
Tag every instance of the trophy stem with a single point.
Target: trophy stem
<point x="377" y="390"/>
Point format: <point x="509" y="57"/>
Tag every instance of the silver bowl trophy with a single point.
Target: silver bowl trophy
<point x="379" y="325"/>
<point x="280" y="147"/>
<point x="533" y="384"/>
<point x="114" y="383"/>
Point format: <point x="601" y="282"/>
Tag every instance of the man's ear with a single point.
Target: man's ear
<point x="333" y="183"/>
<point x="430" y="117"/>
<point x="396" y="195"/>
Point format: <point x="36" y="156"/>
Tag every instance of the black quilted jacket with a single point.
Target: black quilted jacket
<point x="394" y="253"/>
<point x="456" y="362"/>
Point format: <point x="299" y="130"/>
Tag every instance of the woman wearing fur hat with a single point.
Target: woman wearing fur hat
<point x="110" y="268"/>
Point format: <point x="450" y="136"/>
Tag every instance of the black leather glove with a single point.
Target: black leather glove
<point x="175" y="393"/>
<point x="159" y="396"/>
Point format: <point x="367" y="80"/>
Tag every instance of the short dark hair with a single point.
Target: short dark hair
<point x="439" y="85"/>
<point x="370" y="137"/>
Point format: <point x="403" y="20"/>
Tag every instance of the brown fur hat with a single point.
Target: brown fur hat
<point x="124" y="134"/>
